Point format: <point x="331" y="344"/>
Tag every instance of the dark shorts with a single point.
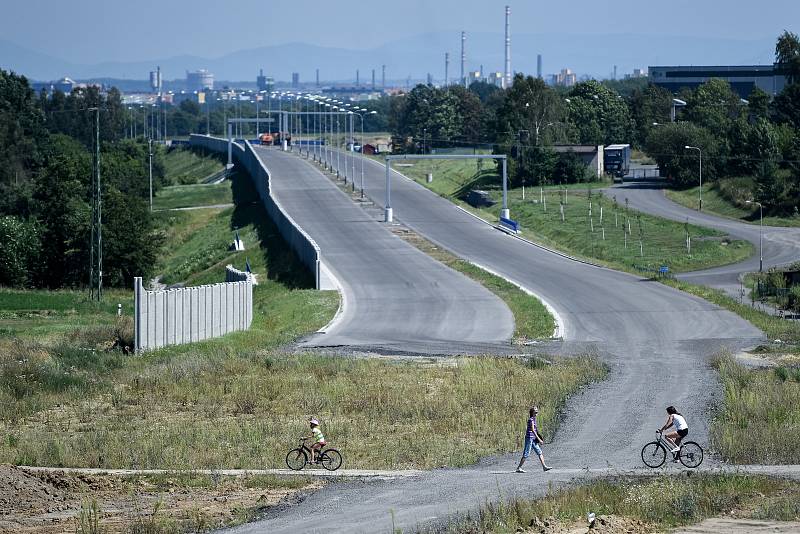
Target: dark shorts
<point x="682" y="433"/>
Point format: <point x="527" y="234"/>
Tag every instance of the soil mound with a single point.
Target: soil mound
<point x="22" y="492"/>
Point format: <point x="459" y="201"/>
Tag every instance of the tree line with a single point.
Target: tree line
<point x="754" y="141"/>
<point x="46" y="167"/>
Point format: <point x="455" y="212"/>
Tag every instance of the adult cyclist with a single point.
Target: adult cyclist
<point x="681" y="429"/>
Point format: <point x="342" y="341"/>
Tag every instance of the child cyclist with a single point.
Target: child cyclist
<point x="317" y="436"/>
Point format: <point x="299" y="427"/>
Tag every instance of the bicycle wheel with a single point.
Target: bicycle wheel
<point x="654" y="454"/>
<point x="691" y="454"/>
<point x="296" y="459"/>
<point x="331" y="459"/>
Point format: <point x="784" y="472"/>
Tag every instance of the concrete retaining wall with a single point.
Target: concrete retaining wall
<point x="243" y="154"/>
<point x="190" y="314"/>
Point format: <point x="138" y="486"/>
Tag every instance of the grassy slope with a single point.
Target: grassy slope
<point x="183" y="166"/>
<point x="716" y="204"/>
<point x="658" y="503"/>
<point x="185" y="196"/>
<point x="760" y="421"/>
<point x="663" y="243"/>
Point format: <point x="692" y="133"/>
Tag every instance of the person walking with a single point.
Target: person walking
<point x="532" y="441"/>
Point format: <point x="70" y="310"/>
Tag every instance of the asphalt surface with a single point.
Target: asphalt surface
<point x="656" y="340"/>
<point x="395" y="297"/>
<point x="781" y="246"/>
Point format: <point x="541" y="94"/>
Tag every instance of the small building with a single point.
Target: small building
<point x="591" y="155"/>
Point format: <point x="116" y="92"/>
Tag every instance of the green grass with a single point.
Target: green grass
<point x="49" y="316"/>
<point x="663" y="242"/>
<point x="659" y="503"/>
<point x="184" y="166"/>
<point x="244" y="409"/>
<point x="760" y="419"/>
<point x="187" y="196"/>
<point x="716" y="204"/>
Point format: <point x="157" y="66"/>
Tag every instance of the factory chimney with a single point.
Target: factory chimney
<point x="507" y="72"/>
<point x="463" y="58"/>
<point x="446" y="69"/>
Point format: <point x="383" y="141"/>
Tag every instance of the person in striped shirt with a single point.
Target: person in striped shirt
<point x="532" y="441"/>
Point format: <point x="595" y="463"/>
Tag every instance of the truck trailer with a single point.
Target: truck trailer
<point x="617" y="160"/>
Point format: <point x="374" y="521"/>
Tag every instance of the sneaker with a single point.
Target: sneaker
<point x="520" y="470"/>
<point x="546" y="468"/>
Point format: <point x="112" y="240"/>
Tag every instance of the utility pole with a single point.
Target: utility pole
<point x="150" y="145"/>
<point x="96" y="247"/>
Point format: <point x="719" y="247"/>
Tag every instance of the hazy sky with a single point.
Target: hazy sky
<point x="89" y="31"/>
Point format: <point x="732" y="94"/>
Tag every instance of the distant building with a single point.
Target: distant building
<point x="495" y="78"/>
<point x="199" y="80"/>
<point x="295" y="80"/>
<point x="155" y="80"/>
<point x="741" y="77"/>
<point x="565" y="78"/>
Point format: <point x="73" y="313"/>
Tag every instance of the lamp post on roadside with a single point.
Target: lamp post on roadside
<point x="687" y="147"/>
<point x="760" y="234"/>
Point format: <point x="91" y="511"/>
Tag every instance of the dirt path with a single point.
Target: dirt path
<point x="376" y="474"/>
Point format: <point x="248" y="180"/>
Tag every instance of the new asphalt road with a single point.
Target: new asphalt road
<point x="395" y="298"/>
<point x="781" y="246"/>
<point x="657" y="342"/>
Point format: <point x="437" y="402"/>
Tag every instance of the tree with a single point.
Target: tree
<point x="470" y="112"/>
<point x="430" y="112"/>
<point x="714" y="106"/>
<point x="19" y="250"/>
<point x="666" y="144"/>
<point x="758" y="104"/>
<point x="529" y="105"/>
<point x="130" y="239"/>
<point x="651" y="105"/>
<point x="22" y="136"/>
<point x="599" y="115"/>
<point x="570" y="169"/>
<point x="786" y="106"/>
<point x="787" y="55"/>
<point x="534" y="165"/>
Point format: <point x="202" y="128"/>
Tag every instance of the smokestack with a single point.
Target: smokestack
<point x="615" y="72"/>
<point x="463" y="58"/>
<point x="446" y="69"/>
<point x="373" y="79"/>
<point x="539" y="66"/>
<point x="317" y="77"/>
<point x="507" y="73"/>
<point x="358" y="78"/>
<point x="383" y="76"/>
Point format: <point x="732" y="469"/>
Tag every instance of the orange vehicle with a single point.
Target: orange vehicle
<point x="266" y="139"/>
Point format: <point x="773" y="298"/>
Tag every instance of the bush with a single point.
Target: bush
<point x="19" y="249"/>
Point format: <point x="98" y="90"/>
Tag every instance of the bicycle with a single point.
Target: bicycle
<point x="654" y="454"/>
<point x="296" y="459"/>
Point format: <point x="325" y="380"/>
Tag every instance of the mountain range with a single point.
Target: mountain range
<point x="593" y="55"/>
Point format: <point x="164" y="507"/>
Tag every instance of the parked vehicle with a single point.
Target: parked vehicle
<point x="617" y="160"/>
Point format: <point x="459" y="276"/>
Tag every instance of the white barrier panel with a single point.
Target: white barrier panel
<point x="185" y="315"/>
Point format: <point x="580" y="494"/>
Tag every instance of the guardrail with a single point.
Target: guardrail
<point x="243" y="153"/>
<point x="190" y="314"/>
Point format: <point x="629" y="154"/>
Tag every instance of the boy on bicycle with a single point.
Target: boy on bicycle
<point x="319" y="438"/>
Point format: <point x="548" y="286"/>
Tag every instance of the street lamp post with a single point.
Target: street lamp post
<point x="760" y="234"/>
<point x="700" y="152"/>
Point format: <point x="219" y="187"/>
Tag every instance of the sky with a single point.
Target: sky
<point x="92" y="31"/>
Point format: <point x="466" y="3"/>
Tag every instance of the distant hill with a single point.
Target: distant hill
<point x="593" y="55"/>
